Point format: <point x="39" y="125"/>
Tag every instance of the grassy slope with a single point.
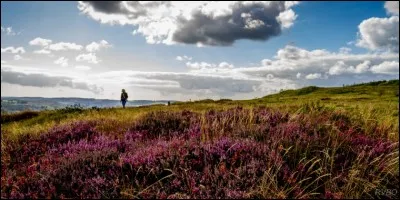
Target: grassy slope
<point x="371" y="107"/>
<point x="376" y="103"/>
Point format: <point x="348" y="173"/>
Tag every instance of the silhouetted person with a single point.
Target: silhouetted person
<point x="124" y="97"/>
<point x="169" y="103"/>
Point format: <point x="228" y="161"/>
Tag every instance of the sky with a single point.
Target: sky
<point x="193" y="50"/>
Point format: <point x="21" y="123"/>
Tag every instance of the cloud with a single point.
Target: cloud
<point x="94" y="46"/>
<point x="225" y="65"/>
<point x="386" y="68"/>
<point x="90" y="58"/>
<point x="291" y="61"/>
<point x="82" y="67"/>
<point x="287" y="18"/>
<point x="40" y="42"/>
<point x="344" y="50"/>
<point x="9" y="31"/>
<point x="266" y="62"/>
<point x="199" y="65"/>
<point x="62" y="61"/>
<point x="204" y="65"/>
<point x="183" y="58"/>
<point x="314" y="76"/>
<point x="342" y="68"/>
<point x="37" y="79"/>
<point x="42" y="51"/>
<point x="379" y="34"/>
<point x="350" y="43"/>
<point x="48" y="46"/>
<point x="201" y="23"/>
<point x="62" y="46"/>
<point x="198" y="83"/>
<point x="392" y="7"/>
<point x="13" y="50"/>
<point x="17" y="57"/>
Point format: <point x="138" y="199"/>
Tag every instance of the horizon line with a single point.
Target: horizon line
<point x="81" y="98"/>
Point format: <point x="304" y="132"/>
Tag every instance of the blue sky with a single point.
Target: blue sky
<point x="326" y="26"/>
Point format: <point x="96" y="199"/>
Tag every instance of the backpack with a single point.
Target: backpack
<point x="125" y="95"/>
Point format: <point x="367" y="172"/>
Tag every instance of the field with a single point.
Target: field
<point x="309" y="143"/>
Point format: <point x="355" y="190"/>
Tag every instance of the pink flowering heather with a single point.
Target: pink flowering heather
<point x="230" y="153"/>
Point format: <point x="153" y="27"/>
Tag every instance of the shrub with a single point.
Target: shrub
<point x="233" y="153"/>
<point x="5" y="118"/>
<point x="307" y="90"/>
<point x="72" y="109"/>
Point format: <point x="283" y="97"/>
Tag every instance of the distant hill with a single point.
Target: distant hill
<point x="15" y="104"/>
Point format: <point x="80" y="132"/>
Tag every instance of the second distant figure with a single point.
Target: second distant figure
<point x="124" y="97"/>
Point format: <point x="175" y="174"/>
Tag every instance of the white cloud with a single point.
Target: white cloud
<point x="251" y="23"/>
<point x="379" y="34"/>
<point x="9" y="31"/>
<point x="62" y="61"/>
<point x="338" y="68"/>
<point x="386" y="68"/>
<point x="199" y="23"/>
<point x="13" y="50"/>
<point x="287" y="18"/>
<point x="225" y="65"/>
<point x="291" y="61"/>
<point x="82" y="67"/>
<point x="266" y="62"/>
<point x="90" y="58"/>
<point x="48" y="46"/>
<point x="199" y="65"/>
<point x="42" y="51"/>
<point x="204" y="65"/>
<point x="183" y="58"/>
<point x="342" y="68"/>
<point x="94" y="46"/>
<point x="314" y="76"/>
<point x="392" y="7"/>
<point x="195" y="83"/>
<point x="17" y="57"/>
<point x="62" y="46"/>
<point x="344" y="50"/>
<point x="40" y="42"/>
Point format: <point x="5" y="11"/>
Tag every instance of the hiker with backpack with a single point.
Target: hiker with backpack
<point x="124" y="97"/>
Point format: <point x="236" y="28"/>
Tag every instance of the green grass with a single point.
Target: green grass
<point x="373" y="104"/>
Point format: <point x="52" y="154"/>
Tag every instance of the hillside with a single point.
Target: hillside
<point x="313" y="142"/>
<point x="372" y="89"/>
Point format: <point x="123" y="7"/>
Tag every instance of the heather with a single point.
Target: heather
<point x="206" y="150"/>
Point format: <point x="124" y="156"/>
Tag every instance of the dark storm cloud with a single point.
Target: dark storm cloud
<point x="109" y="7"/>
<point x="225" y="30"/>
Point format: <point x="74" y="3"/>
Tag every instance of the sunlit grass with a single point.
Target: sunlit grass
<point x="309" y="143"/>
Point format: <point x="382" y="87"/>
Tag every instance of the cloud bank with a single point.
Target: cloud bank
<point x="39" y="78"/>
